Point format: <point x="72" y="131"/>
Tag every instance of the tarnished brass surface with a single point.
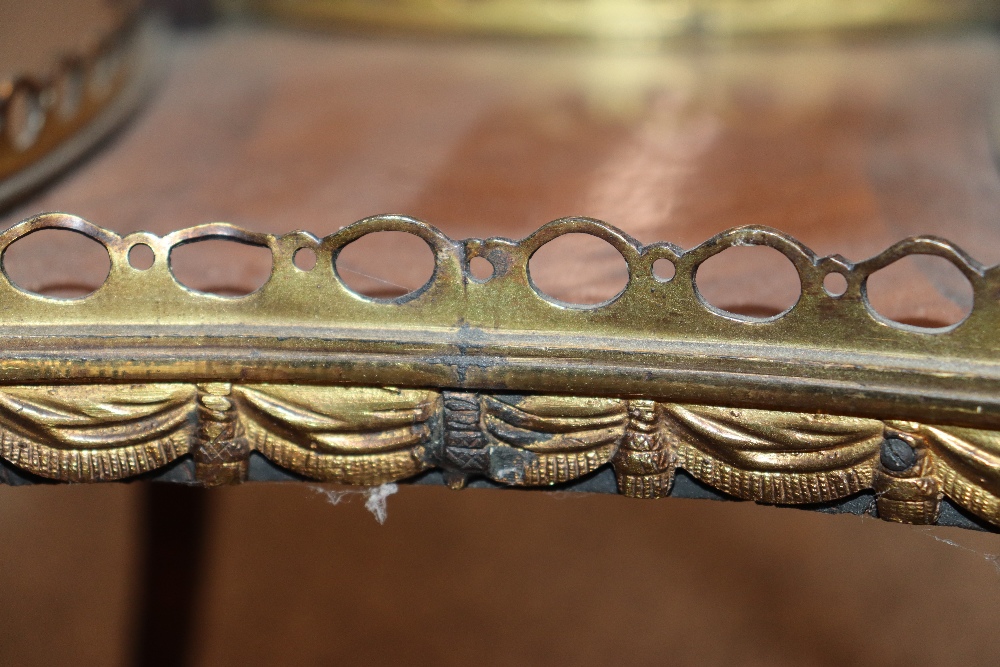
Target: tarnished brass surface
<point x="490" y="378"/>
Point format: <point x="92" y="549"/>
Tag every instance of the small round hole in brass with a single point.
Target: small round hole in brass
<point x="835" y="284"/>
<point x="481" y="269"/>
<point x="664" y="270"/>
<point x="141" y="256"/>
<point x="304" y="259"/>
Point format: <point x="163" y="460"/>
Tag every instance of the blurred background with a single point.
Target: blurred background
<point x="849" y="125"/>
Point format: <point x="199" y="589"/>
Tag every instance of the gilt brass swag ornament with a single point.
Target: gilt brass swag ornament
<point x="492" y="379"/>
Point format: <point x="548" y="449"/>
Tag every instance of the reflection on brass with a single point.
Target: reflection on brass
<point x="624" y="19"/>
<point x="494" y="379"/>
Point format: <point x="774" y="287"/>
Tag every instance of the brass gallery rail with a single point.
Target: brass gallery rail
<point x="490" y="378"/>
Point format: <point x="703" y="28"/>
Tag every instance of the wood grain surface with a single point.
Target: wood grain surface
<point x="848" y="146"/>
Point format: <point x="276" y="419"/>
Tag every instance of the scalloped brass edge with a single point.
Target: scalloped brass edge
<point x="657" y="339"/>
<point x="494" y="379"/>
